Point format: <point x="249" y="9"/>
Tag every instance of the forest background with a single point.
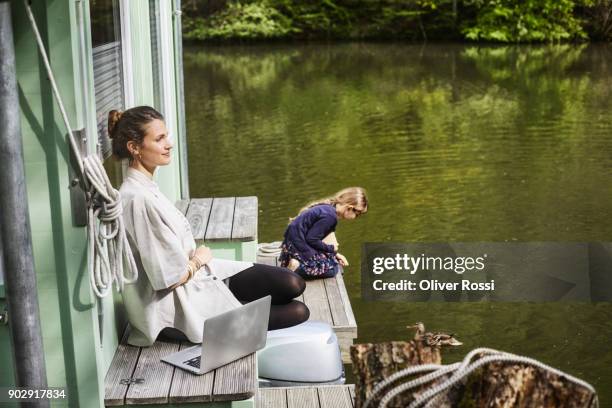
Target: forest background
<point x="508" y="21"/>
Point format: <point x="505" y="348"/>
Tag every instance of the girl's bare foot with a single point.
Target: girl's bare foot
<point x="293" y="264"/>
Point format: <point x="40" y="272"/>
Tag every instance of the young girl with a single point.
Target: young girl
<point x="310" y="247"/>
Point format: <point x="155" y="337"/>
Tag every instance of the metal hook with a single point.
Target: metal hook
<point x="129" y="381"/>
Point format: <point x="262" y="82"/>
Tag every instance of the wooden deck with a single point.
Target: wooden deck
<point x="137" y="376"/>
<point x="328" y="301"/>
<point x="333" y="396"/>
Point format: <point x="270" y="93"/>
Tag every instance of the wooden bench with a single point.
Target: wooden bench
<point x="328" y="301"/>
<point x="228" y="225"/>
<point x="138" y="377"/>
<point x="333" y="396"/>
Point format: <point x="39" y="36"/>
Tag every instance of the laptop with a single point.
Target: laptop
<point x="227" y="337"/>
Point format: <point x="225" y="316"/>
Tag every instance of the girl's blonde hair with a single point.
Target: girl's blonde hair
<point x="355" y="196"/>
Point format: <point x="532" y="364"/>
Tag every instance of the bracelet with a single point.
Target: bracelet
<point x="189" y="276"/>
<point x="189" y="271"/>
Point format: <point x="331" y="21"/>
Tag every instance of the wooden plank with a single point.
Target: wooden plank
<point x="245" y="219"/>
<point x="315" y="298"/>
<point x="345" y="340"/>
<point x="122" y="367"/>
<point x="267" y="260"/>
<point x="221" y="219"/>
<point x="156" y="374"/>
<point x="302" y="397"/>
<point x="271" y="398"/>
<point x="188" y="387"/>
<point x="182" y="206"/>
<point x="236" y="380"/>
<point x="198" y="214"/>
<point x="346" y="333"/>
<point x="335" y="397"/>
<point x="345" y="300"/>
<point x="336" y="304"/>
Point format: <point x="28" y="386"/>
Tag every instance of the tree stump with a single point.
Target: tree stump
<point x="372" y="363"/>
<point x="498" y="384"/>
<point x="508" y="385"/>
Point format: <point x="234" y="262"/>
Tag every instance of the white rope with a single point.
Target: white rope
<point x="458" y="372"/>
<point x="432" y="395"/>
<point x="406" y="372"/>
<point x="271" y="249"/>
<point x="107" y="241"/>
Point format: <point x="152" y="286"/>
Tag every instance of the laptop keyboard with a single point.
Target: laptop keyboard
<point x="194" y="362"/>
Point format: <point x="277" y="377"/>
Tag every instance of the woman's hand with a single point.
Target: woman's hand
<point x="336" y="246"/>
<point x="181" y="282"/>
<point x="342" y="260"/>
<point x="203" y="254"/>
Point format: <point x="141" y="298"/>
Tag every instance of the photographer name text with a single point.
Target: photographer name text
<point x="433" y="285"/>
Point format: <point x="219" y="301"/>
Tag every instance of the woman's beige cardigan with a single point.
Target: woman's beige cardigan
<point x="162" y="243"/>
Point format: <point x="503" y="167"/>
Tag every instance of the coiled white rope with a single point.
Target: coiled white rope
<point x="436" y="370"/>
<point x="107" y="242"/>
<point x="459" y="371"/>
<point x="271" y="249"/>
<point x="107" y="239"/>
<point x="487" y="356"/>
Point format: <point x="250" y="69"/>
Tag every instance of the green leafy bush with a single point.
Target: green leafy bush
<point x="525" y="21"/>
<point x="318" y="18"/>
<point x="239" y="21"/>
<point x="508" y="21"/>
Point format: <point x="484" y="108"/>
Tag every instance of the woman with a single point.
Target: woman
<point x="179" y="285"/>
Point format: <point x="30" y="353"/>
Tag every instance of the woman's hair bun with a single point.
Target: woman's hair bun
<point x="113" y="117"/>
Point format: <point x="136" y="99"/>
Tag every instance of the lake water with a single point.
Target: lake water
<point x="452" y="142"/>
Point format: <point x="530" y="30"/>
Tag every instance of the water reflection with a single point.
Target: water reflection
<point x="452" y="142"/>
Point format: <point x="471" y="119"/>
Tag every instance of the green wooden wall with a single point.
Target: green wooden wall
<point x="74" y="356"/>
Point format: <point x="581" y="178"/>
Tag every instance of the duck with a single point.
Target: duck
<point x="433" y="339"/>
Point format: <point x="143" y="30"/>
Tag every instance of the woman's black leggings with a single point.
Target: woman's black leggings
<point x="282" y="284"/>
